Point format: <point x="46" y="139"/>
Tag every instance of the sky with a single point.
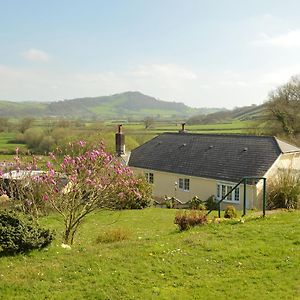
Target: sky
<point x="212" y="53"/>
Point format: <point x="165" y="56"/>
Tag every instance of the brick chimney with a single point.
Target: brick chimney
<point x="182" y="128"/>
<point x="120" y="141"/>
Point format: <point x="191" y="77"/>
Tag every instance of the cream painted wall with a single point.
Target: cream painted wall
<point x="164" y="185"/>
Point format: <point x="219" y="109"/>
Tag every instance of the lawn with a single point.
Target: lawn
<point x="232" y="260"/>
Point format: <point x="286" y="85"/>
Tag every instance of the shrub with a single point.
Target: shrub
<point x="169" y="202"/>
<point x="138" y="197"/>
<point x="197" y="203"/>
<point x="284" y="191"/>
<point x="230" y="212"/>
<point x="113" y="235"/>
<point x="19" y="234"/>
<point x="211" y="203"/>
<point x="187" y="219"/>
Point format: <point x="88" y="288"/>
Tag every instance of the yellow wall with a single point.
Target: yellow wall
<point x="164" y="185"/>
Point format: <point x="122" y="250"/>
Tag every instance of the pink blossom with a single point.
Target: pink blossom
<point x="82" y="143"/>
<point x="45" y="197"/>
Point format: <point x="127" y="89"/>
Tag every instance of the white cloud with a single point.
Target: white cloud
<point x="36" y="55"/>
<point x="291" y="39"/>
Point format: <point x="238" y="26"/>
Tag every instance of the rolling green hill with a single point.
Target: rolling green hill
<point x="246" y="113"/>
<point x="134" y="105"/>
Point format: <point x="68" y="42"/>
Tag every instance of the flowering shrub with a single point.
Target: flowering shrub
<point x="136" y="197"/>
<point x="187" y="219"/>
<point x="78" y="181"/>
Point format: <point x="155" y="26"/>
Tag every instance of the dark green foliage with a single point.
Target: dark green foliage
<point x="211" y="203"/>
<point x="284" y="191"/>
<point x="188" y="219"/>
<point x="230" y="212"/>
<point x="19" y="234"/>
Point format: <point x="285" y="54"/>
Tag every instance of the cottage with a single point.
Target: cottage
<point x="184" y="165"/>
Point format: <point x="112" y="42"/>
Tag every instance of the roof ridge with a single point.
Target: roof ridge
<point x="219" y="134"/>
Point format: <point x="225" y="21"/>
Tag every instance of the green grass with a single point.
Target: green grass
<point x="6" y="145"/>
<point x="259" y="259"/>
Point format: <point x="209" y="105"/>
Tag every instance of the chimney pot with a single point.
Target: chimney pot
<point x="182" y="128"/>
<point x="120" y="141"/>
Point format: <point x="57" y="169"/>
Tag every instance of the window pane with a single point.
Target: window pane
<point x="223" y="190"/>
<point x="229" y="197"/>
<point x="151" y="177"/>
<point x="218" y="191"/>
<point x="237" y="194"/>
<point x="180" y="183"/>
<point x="187" y="184"/>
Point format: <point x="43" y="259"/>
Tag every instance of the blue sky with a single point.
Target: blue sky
<point x="202" y="53"/>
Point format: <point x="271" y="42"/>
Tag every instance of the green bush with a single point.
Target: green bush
<point x="19" y="234"/>
<point x="230" y="212"/>
<point x="188" y="219"/>
<point x="211" y="203"/>
<point x="284" y="191"/>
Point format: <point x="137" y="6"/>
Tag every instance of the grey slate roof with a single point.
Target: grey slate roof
<point x="218" y="156"/>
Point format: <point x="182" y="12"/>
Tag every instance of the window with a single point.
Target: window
<point x="223" y="189"/>
<point x="149" y="177"/>
<point x="237" y="195"/>
<point x="184" y="184"/>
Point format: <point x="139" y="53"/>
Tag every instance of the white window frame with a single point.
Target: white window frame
<point x="223" y="188"/>
<point x="149" y="177"/>
<point x="184" y="184"/>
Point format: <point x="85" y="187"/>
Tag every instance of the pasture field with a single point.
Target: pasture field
<point x="236" y="126"/>
<point x="135" y="131"/>
<point x="258" y="259"/>
<point x="5" y="143"/>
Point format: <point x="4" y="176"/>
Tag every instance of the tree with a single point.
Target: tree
<point x="148" y="122"/>
<point x="4" y="124"/>
<point x="25" y="124"/>
<point x="95" y="180"/>
<point x="284" y="108"/>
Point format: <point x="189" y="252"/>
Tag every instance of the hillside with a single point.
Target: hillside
<point x="133" y="105"/>
<point x="246" y="113"/>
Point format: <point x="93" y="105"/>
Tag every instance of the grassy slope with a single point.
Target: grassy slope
<point x="258" y="259"/>
<point x="124" y="105"/>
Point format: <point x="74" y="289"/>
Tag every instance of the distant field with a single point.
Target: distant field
<point x="5" y="143"/>
<point x="136" y="130"/>
<point x="231" y="127"/>
<point x="258" y="259"/>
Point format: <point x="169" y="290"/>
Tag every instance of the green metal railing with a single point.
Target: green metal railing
<point x="244" y="182"/>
